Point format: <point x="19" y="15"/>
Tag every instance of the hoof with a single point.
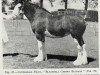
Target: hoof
<point x="38" y="59"/>
<point x="77" y="62"/>
<point x="81" y="59"/>
<point x="80" y="62"/>
<point x="85" y="62"/>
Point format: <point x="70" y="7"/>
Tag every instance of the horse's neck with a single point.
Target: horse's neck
<point x="34" y="12"/>
<point x="29" y="12"/>
<point x="40" y="14"/>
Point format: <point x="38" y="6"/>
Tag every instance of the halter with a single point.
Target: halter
<point x="22" y="5"/>
<point x="21" y="9"/>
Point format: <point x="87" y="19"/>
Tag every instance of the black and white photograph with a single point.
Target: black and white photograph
<point x="50" y="34"/>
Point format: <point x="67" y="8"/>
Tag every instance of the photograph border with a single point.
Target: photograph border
<point x="64" y="71"/>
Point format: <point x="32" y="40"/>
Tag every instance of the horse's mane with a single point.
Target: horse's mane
<point x="38" y="7"/>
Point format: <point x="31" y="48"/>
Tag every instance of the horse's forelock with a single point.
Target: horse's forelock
<point x="21" y="1"/>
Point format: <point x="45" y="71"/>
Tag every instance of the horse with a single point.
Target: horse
<point x="44" y="23"/>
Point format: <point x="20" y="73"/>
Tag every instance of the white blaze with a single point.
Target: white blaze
<point x="16" y="10"/>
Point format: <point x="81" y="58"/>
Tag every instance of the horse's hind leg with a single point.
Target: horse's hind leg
<point x="82" y="55"/>
<point x="41" y="47"/>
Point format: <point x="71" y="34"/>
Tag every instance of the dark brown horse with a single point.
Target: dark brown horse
<point x="43" y="23"/>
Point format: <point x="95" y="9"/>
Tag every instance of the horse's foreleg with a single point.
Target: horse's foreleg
<point x="82" y="55"/>
<point x="41" y="48"/>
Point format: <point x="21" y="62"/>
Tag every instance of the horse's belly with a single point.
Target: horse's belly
<point x="54" y="35"/>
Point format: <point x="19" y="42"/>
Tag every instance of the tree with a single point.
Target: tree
<point x="66" y="3"/>
<point x="93" y="4"/>
<point x="86" y="4"/>
<point x="41" y="3"/>
<point x="51" y="1"/>
<point x="90" y="4"/>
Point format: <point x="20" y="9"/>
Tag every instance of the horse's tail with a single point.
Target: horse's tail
<point x="85" y="16"/>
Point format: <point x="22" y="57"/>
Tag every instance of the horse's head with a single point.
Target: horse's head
<point x="16" y="10"/>
<point x="21" y="3"/>
<point x="24" y="4"/>
<point x="21" y="9"/>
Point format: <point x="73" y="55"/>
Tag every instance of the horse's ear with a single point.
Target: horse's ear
<point x="21" y="1"/>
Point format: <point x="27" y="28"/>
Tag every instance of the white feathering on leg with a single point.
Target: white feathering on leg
<point x="79" y="47"/>
<point x="79" y="59"/>
<point x="75" y="41"/>
<point x="84" y="55"/>
<point x="40" y="54"/>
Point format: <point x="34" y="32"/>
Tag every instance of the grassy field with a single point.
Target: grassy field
<point x="21" y="49"/>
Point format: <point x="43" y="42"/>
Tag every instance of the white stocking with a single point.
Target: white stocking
<point x="40" y="56"/>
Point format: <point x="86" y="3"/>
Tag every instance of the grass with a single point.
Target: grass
<point x="21" y="49"/>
